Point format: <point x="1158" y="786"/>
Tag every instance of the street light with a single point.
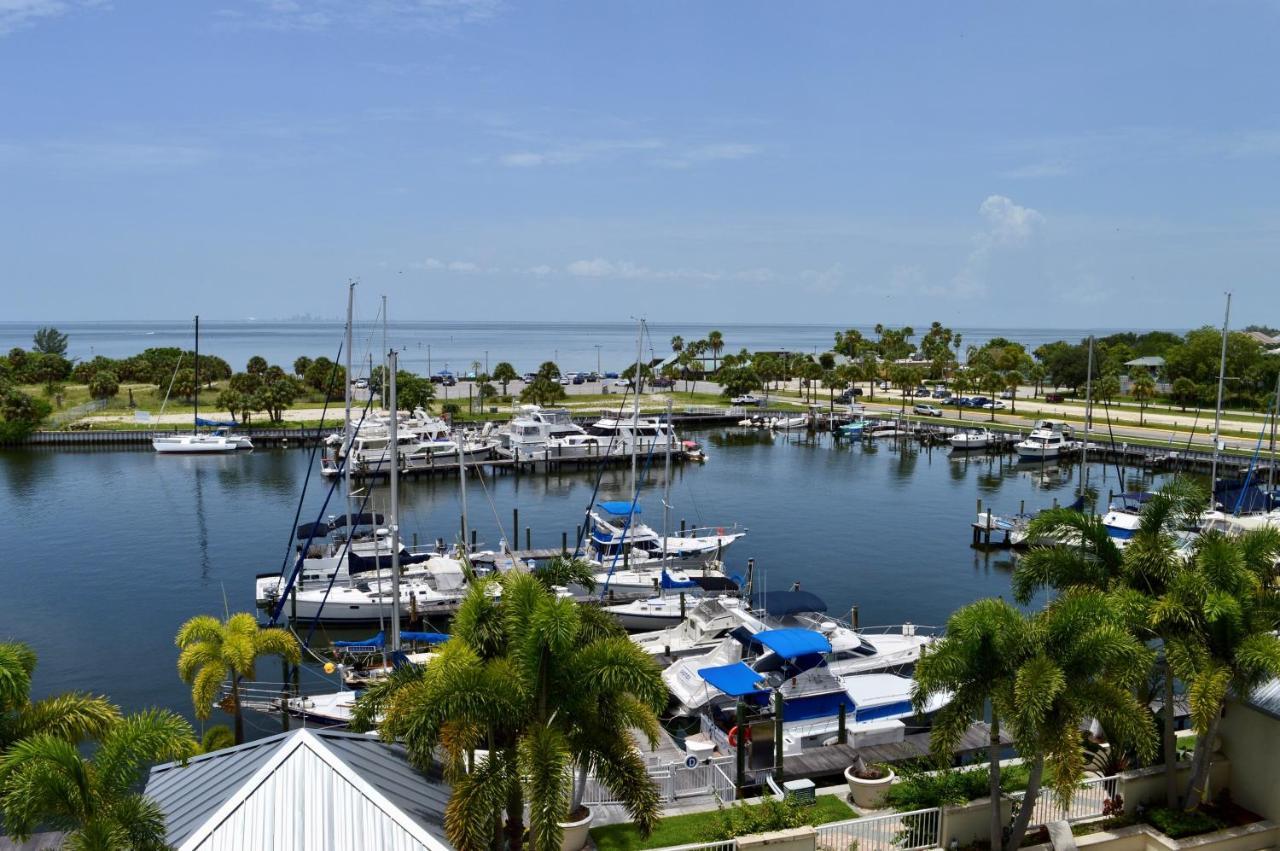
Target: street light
<point x="597" y="358"/>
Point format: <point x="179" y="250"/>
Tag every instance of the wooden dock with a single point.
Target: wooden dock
<point x="831" y="760"/>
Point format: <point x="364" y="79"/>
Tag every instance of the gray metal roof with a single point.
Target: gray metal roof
<point x="1147" y="361"/>
<point x="190" y="795"/>
<point x="1266" y="698"/>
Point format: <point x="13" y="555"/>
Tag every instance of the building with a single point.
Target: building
<point x="1250" y="733"/>
<point x="1154" y="366"/>
<point x="318" y="790"/>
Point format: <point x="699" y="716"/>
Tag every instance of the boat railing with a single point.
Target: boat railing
<point x="711" y="531"/>
<point x="902" y="629"/>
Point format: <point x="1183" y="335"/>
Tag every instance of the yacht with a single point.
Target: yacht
<point x="437" y="590"/>
<point x="972" y="439"/>
<point x="536" y="434"/>
<point x="636" y="434"/>
<point x="617" y="537"/>
<point x="1124" y="516"/>
<point x="709" y="621"/>
<point x="1046" y="441"/>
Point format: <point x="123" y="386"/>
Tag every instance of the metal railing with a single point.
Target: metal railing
<point x="674" y="781"/>
<point x="891" y="832"/>
<point x="724" y="845"/>
<point x="1089" y="801"/>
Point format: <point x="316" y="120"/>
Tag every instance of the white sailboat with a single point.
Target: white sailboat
<point x="972" y="439"/>
<point x="197" y="443"/>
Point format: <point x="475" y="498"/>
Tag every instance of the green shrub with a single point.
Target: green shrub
<point x="918" y="788"/>
<point x="747" y="819"/>
<point x="1176" y="824"/>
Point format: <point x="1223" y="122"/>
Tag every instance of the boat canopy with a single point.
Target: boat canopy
<point x="201" y="421"/>
<point x="620" y="507"/>
<point x="1137" y="496"/>
<point x="793" y="643"/>
<point x="1237" y="498"/>
<point x="780" y="604"/>
<point x="668" y="582"/>
<point x="425" y="637"/>
<point x="365" y="519"/>
<point x="736" y="680"/>
<point x="376" y="641"/>
<point x="312" y="530"/>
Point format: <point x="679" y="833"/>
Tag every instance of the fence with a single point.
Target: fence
<point x="1089" y="801"/>
<point x="61" y="418"/>
<point x="891" y="832"/>
<point x="674" y="781"/>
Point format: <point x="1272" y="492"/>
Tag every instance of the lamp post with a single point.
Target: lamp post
<point x="597" y="345"/>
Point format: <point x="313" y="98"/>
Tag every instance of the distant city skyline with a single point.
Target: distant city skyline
<point x="1087" y="165"/>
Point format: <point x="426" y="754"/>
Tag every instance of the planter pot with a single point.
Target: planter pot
<point x="868" y="794"/>
<point x="575" y="833"/>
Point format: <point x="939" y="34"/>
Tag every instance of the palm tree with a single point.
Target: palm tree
<point x="214" y="651"/>
<point x="960" y="386"/>
<point x="677" y="344"/>
<point x="504" y="373"/>
<point x="1012" y="380"/>
<point x="1220" y="614"/>
<point x="46" y="781"/>
<point x="545" y="687"/>
<point x="72" y="717"/>
<point x="715" y="342"/>
<point x="975" y="661"/>
<point x="1144" y="387"/>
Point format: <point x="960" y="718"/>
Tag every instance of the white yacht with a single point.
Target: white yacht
<point x="639" y="434"/>
<point x="616" y="532"/>
<point x="972" y="439"/>
<point x="537" y="433"/>
<point x="706" y="624"/>
<point x="1046" y="441"/>
<point x="437" y="590"/>
<point x="1124" y="516"/>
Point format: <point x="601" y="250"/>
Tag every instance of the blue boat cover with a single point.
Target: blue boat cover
<point x="668" y="582"/>
<point x="377" y="641"/>
<point x="215" y="423"/>
<point x="736" y="680"/>
<point x="425" y="637"/>
<point x="780" y="604"/>
<point x="620" y="507"/>
<point x="792" y="643"/>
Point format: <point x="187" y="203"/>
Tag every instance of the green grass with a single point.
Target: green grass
<point x="688" y="829"/>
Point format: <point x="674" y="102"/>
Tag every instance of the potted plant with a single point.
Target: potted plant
<point x="577" y="826"/>
<point x="868" y="783"/>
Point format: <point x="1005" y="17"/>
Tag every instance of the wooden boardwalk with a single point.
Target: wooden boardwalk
<point x="834" y="759"/>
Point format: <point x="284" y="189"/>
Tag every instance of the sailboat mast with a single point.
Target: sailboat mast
<point x="1275" y="412"/>
<point x="195" y="416"/>
<point x="394" y="448"/>
<point x="1088" y="421"/>
<point x="347" y="436"/>
<point x="386" y="361"/>
<point x="462" y="491"/>
<point x="666" y="493"/>
<point x="635" y="414"/>
<point x="1217" y="414"/>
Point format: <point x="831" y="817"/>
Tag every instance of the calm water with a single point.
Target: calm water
<point x="456" y="345"/>
<point x="109" y="552"/>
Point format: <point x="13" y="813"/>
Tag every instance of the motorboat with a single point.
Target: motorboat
<point x="972" y="439"/>
<point x="438" y="590"/>
<point x="335" y="709"/>
<point x="650" y="580"/>
<point x="364" y="662"/>
<point x="639" y="435"/>
<point x="538" y="434"/>
<point x="709" y="621"/>
<point x="789" y="423"/>
<point x="618" y="538"/>
<point x="650" y="613"/>
<point x="1045" y="442"/>
<point x="854" y="429"/>
<point x="692" y="451"/>
<point x="1124" y="515"/>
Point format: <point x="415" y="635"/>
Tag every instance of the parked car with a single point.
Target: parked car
<point x="529" y="377"/>
<point x="611" y="375"/>
<point x="1006" y="394"/>
<point x="1054" y="397"/>
<point x="662" y="382"/>
<point x="978" y="401"/>
<point x="747" y="400"/>
<point x="849" y="395"/>
<point x="928" y="410"/>
<point x="993" y="405"/>
<point x="593" y="376"/>
<point x="565" y="380"/>
<point x="942" y="394"/>
<point x="578" y="378"/>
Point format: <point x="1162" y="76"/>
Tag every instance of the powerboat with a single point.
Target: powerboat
<point x="636" y="434"/>
<point x="537" y="434"/>
<point x="1124" y="515"/>
<point x="649" y="613"/>
<point x="972" y="439"/>
<point x="789" y="423"/>
<point x="1046" y="441"/>
<point x="706" y="624"/>
<point x="616" y="536"/>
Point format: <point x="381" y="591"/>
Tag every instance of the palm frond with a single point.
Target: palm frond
<point x="73" y="716"/>
<point x="544" y="769"/>
<point x="148" y="737"/>
<point x="199" y="628"/>
<point x="477" y="799"/>
<point x="17" y="664"/>
<point x="43" y="780"/>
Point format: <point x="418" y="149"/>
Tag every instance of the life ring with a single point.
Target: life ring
<point x="733" y="736"/>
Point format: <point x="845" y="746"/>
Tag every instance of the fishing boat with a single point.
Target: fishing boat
<point x="972" y="439"/>
<point x="197" y="443"/>
<point x="1045" y="442"/>
<point x="692" y="451"/>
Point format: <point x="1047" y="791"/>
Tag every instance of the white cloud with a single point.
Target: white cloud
<point x="571" y="153"/>
<point x="699" y="154"/>
<point x="464" y="266"/>
<point x="1008" y="221"/>
<point x="599" y="267"/>
<point x="109" y="156"/>
<point x="1008" y="225"/>
<point x="382" y="15"/>
<point x="17" y="14"/>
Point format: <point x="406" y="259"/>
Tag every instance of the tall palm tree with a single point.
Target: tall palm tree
<point x="677" y="344"/>
<point x="1220" y="615"/>
<point x="72" y="717"/>
<point x="975" y="661"/>
<point x="546" y="688"/>
<point x="45" y="780"/>
<point x="214" y="651"/>
<point x="1144" y="387"/>
<point x="715" y="342"/>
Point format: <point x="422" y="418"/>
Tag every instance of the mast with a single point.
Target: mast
<point x="1088" y="421"/>
<point x="666" y="494"/>
<point x="394" y="429"/>
<point x="1217" y="414"/>
<point x="346" y="418"/>
<point x="1275" y="412"/>
<point x="462" y="492"/>
<point x="635" y="414"/>
<point x="386" y="360"/>
<point x="195" y="415"/>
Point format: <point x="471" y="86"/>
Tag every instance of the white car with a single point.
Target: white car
<point x="564" y="379"/>
<point x="928" y="410"/>
<point x="746" y="400"/>
<point x="994" y="405"/>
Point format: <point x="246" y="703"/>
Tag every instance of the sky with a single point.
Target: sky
<point x="1074" y="165"/>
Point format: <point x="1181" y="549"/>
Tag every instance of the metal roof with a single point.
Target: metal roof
<point x="307" y="789"/>
<point x="1147" y="361"/>
<point x="1266" y="698"/>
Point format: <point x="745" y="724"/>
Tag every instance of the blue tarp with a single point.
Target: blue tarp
<point x="377" y="641"/>
<point x="792" y="643"/>
<point x="668" y="582"/>
<point x="620" y="507"/>
<point x="425" y="637"/>
<point x="736" y="680"/>
<point x="201" y="421"/>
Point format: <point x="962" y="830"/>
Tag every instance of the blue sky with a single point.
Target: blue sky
<point x="1066" y="165"/>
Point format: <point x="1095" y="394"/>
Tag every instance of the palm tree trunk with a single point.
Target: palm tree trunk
<point x="515" y="808"/>
<point x="235" y="708"/>
<point x="993" y="771"/>
<point x="496" y="843"/>
<point x="1170" y="746"/>
<point x="1029" y="798"/>
<point x="1200" y="764"/>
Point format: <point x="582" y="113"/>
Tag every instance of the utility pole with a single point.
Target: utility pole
<point x="393" y="429"/>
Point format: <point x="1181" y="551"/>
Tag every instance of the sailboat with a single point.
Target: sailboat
<point x="197" y="443"/>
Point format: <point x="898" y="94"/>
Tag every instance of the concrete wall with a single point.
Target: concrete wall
<point x="1146" y="785"/>
<point x="795" y="839"/>
<point x="972" y="821"/>
<point x="1251" y="837"/>
<point x="1252" y="738"/>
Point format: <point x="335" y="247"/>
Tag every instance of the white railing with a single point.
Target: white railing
<point x="1089" y="801"/>
<point x="674" y="781"/>
<point x="724" y="845"/>
<point x="891" y="832"/>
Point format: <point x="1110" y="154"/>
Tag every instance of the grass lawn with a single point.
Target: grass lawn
<point x="688" y="829"/>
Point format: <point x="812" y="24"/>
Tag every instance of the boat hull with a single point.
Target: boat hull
<point x="194" y="445"/>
